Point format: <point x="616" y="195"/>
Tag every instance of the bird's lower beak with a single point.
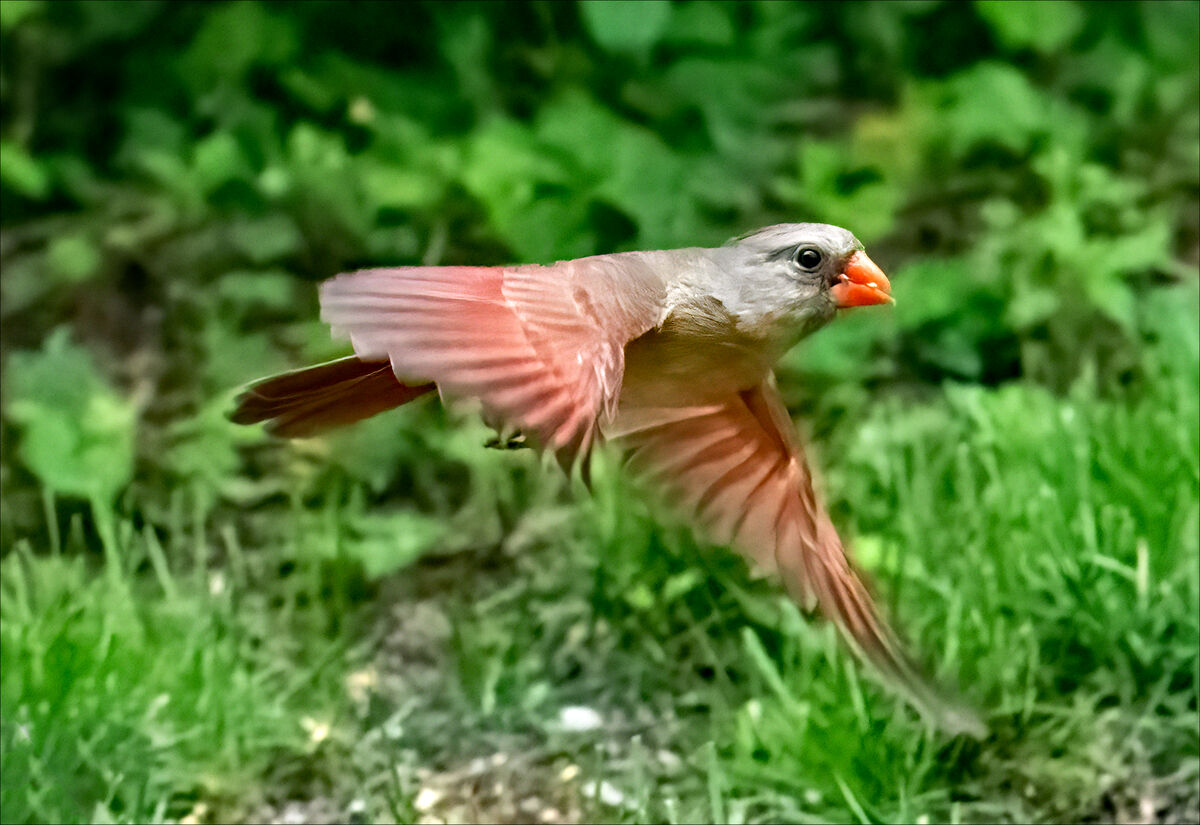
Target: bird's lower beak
<point x="862" y="284"/>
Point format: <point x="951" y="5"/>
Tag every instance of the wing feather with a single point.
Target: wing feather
<point x="753" y="488"/>
<point x="541" y="347"/>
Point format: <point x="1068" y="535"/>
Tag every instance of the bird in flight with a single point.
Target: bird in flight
<point x="667" y="354"/>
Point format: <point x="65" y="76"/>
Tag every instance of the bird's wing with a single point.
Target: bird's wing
<point x="737" y="467"/>
<point x="541" y="347"/>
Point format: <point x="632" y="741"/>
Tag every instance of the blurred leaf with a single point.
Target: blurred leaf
<point x="374" y="450"/>
<point x="234" y="355"/>
<point x="268" y="239"/>
<point x="203" y="451"/>
<point x="326" y="185"/>
<point x="150" y="129"/>
<point x="846" y="350"/>
<point x="1033" y="305"/>
<point x="395" y="186"/>
<point x="994" y="103"/>
<point x="232" y="38"/>
<point x="12" y="12"/>
<point x="20" y="172"/>
<point x="73" y="258"/>
<point x="77" y="433"/>
<point x="931" y="289"/>
<point x="24" y="283"/>
<point x="313" y="90"/>
<point x="243" y="292"/>
<point x="953" y="350"/>
<point x="1170" y="316"/>
<point x="506" y="169"/>
<point x="1031" y="24"/>
<point x="626" y="25"/>
<point x="680" y="585"/>
<point x="735" y="94"/>
<point x="1113" y="298"/>
<point x="218" y="159"/>
<point x="857" y="198"/>
<point x="626" y="166"/>
<point x="1173" y="31"/>
<point x="700" y="23"/>
<point x="387" y="542"/>
<point x="466" y="40"/>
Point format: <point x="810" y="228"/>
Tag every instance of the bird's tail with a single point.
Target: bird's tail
<point x="309" y="401"/>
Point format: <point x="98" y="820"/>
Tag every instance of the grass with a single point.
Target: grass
<point x="1041" y="551"/>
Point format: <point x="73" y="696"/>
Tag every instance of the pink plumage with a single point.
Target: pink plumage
<point x="668" y="354"/>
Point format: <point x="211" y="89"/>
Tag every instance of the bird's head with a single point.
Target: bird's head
<point x="824" y="267"/>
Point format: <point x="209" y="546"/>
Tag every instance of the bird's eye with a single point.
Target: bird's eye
<point x="808" y="258"/>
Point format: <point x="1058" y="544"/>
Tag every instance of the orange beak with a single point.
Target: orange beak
<point x="862" y="284"/>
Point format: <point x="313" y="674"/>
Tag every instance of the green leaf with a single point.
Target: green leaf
<point x="147" y="129"/>
<point x="700" y="23"/>
<point x="373" y="450"/>
<point x="73" y="258"/>
<point x="680" y="585"/>
<point x="233" y="38"/>
<point x="242" y="292"/>
<point x="392" y="541"/>
<point x="861" y="199"/>
<point x="1170" y="316"/>
<point x="533" y="196"/>
<point x="399" y="187"/>
<point x="235" y="355"/>
<point x="77" y="433"/>
<point x="626" y="25"/>
<point x="995" y="103"/>
<point x="929" y="290"/>
<point x="846" y="349"/>
<point x="268" y="239"/>
<point x="218" y="159"/>
<point x="1172" y="30"/>
<point x="20" y="172"/>
<point x="1033" y="24"/>
<point x="12" y="12"/>
<point x="1032" y="305"/>
<point x="1115" y="299"/>
<point x="203" y="449"/>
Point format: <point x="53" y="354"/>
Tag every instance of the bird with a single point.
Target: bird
<point x="667" y="354"/>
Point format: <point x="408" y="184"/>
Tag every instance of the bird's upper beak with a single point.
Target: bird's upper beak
<point x="862" y="284"/>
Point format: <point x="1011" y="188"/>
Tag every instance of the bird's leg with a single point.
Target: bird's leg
<point x="507" y="440"/>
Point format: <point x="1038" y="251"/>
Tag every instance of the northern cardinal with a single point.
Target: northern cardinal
<point x="666" y="353"/>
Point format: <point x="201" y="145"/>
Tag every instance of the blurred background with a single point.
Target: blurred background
<point x="200" y="623"/>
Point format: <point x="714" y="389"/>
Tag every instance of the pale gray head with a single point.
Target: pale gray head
<point x="813" y="254"/>
<point x="793" y="276"/>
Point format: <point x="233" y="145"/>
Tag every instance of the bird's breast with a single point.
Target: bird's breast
<point x="698" y="354"/>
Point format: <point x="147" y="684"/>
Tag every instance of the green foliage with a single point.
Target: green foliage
<point x="20" y="172"/>
<point x="1013" y="448"/>
<point x="77" y="431"/>
<point x="657" y="125"/>
<point x="1030" y="25"/>
<point x="626" y="25"/>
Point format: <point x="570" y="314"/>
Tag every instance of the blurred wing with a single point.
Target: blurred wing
<point x="738" y="468"/>
<point x="541" y="347"/>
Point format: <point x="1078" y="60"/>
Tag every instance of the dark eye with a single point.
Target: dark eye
<point x="808" y="258"/>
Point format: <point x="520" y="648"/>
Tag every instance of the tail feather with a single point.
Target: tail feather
<point x="309" y="401"/>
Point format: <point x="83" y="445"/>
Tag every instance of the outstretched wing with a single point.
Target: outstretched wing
<point x="541" y="347"/>
<point x="738" y="468"/>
